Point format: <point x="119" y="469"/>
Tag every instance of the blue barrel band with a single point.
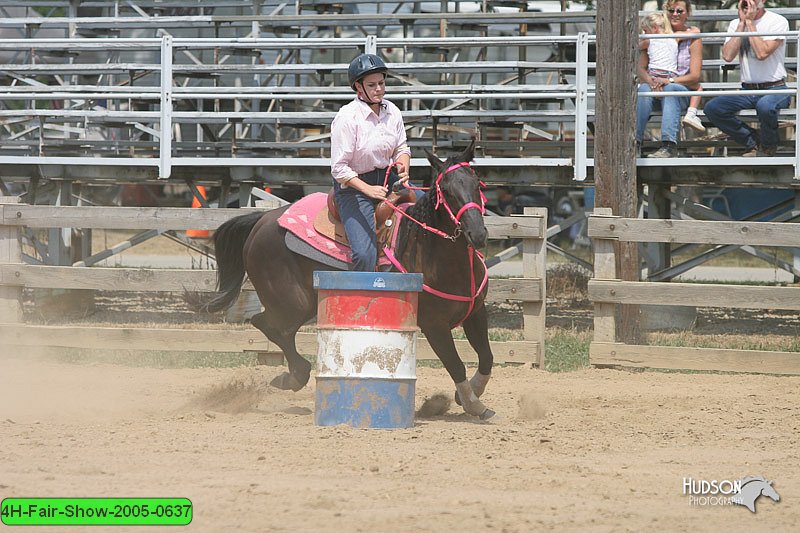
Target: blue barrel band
<point x="367" y="281"/>
<point x="365" y="403"/>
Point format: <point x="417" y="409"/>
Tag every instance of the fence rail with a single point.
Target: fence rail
<point x="606" y="291"/>
<point x="14" y="276"/>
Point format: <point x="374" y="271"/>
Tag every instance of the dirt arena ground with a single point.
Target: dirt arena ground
<point x="593" y="450"/>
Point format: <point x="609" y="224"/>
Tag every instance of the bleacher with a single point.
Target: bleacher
<point x="251" y="88"/>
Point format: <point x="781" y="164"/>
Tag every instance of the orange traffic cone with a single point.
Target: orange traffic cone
<point x="198" y="233"/>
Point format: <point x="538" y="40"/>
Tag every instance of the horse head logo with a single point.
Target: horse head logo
<point x="752" y="488"/>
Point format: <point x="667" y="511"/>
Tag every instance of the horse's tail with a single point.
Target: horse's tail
<point x="229" y="240"/>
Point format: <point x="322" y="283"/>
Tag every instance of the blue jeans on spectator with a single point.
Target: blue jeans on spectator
<point x="671" y="109"/>
<point x="357" y="212"/>
<point x="722" y="111"/>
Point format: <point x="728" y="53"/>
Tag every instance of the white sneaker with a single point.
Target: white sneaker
<point x="693" y="122"/>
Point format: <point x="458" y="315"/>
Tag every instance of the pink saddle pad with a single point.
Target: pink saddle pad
<point x="299" y="220"/>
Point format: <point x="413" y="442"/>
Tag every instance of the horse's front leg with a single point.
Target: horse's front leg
<point x="476" y="328"/>
<point x="442" y="343"/>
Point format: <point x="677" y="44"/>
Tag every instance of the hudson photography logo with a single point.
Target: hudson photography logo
<point x="724" y="492"/>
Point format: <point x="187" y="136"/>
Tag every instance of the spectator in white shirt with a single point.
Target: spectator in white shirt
<point x="761" y="59"/>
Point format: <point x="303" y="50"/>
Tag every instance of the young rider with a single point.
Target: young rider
<point x="367" y="137"/>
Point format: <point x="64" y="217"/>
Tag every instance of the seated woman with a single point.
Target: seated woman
<point x="367" y="137"/>
<point x="653" y="77"/>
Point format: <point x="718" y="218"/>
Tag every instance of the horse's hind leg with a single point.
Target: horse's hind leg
<point x="476" y="328"/>
<point x="299" y="367"/>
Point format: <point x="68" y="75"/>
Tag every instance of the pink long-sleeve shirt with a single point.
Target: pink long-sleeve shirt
<point x="362" y="141"/>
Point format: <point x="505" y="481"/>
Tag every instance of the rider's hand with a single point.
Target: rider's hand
<point x="376" y="192"/>
<point x="402" y="173"/>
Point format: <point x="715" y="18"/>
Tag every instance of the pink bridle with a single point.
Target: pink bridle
<point x="440" y="200"/>
<point x="456" y="218"/>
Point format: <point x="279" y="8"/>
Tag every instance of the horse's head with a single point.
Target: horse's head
<point x="769" y="491"/>
<point x="459" y="196"/>
<point x="751" y="488"/>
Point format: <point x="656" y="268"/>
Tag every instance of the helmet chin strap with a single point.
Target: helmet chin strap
<point x="366" y="99"/>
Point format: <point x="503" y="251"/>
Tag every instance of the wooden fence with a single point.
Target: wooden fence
<point x="605" y="290"/>
<point x="14" y="276"/>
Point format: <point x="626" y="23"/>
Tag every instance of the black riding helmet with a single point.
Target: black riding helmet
<point x="363" y="65"/>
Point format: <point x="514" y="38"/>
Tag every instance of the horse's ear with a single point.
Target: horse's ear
<point x="435" y="162"/>
<point x="469" y="153"/>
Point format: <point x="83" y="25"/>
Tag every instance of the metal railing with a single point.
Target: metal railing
<point x="163" y="90"/>
<point x="158" y="84"/>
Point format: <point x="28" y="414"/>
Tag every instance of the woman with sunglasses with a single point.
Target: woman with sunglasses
<point x="689" y="67"/>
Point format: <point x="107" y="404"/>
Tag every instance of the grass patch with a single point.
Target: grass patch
<point x="434" y="363"/>
<point x="495" y="334"/>
<point x="770" y="343"/>
<point x="567" y="350"/>
<point x="149" y="358"/>
<point x="753" y="283"/>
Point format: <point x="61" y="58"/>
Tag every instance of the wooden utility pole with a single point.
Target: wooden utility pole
<point x="615" y="127"/>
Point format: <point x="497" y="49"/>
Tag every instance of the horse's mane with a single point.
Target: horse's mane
<point x="410" y="233"/>
<point x="423" y="210"/>
<point x="750" y="479"/>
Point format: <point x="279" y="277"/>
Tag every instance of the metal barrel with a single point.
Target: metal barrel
<point x="367" y="337"/>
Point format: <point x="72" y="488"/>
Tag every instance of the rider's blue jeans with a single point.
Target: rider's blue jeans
<point x="722" y="111"/>
<point x="357" y="212"/>
<point x="671" y="109"/>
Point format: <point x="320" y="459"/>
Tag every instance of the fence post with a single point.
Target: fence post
<point x="10" y="308"/>
<point x="534" y="265"/>
<point x="581" y="104"/>
<point x="605" y="267"/>
<point x="165" y="139"/>
<point x="797" y="115"/>
<point x="371" y="45"/>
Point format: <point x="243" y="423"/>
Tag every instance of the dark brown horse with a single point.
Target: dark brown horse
<point x="254" y="243"/>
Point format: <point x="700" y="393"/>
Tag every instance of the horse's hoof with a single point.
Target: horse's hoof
<point x="458" y="400"/>
<point x="287" y="381"/>
<point x="487" y="414"/>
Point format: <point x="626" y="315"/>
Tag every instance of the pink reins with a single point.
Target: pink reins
<point x="456" y="218"/>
